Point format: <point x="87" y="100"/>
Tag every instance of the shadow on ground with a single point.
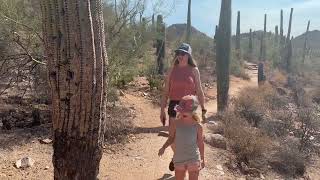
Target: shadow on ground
<point x="167" y="177"/>
<point x="19" y="137"/>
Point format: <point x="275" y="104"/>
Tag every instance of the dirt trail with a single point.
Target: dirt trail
<point x="139" y="160"/>
<point x="136" y="160"/>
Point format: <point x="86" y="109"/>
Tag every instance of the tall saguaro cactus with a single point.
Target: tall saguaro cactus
<point x="262" y="59"/>
<point x="238" y="50"/>
<point x="281" y="29"/>
<point x="263" y="41"/>
<point x="276" y="30"/>
<point x="223" y="54"/>
<point x="188" y="37"/>
<point x="77" y="61"/>
<point x="289" y="27"/>
<point x="305" y="43"/>
<point x="161" y="42"/>
<point x="250" y="45"/>
<point x="288" y="46"/>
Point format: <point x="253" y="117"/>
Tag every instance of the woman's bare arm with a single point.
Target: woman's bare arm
<point x="165" y="91"/>
<point x="199" y="90"/>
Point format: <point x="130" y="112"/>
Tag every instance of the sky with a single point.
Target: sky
<point x="205" y="14"/>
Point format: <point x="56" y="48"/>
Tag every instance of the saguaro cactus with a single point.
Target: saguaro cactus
<point x="250" y="45"/>
<point x="216" y="33"/>
<point x="289" y="55"/>
<point x="223" y="54"/>
<point x="289" y="27"/>
<point x="152" y="24"/>
<point x="74" y="41"/>
<point x="263" y="41"/>
<point x="262" y="59"/>
<point x="238" y="50"/>
<point x="305" y="43"/>
<point x="276" y="30"/>
<point x="160" y="44"/>
<point x="188" y="37"/>
<point x="281" y="29"/>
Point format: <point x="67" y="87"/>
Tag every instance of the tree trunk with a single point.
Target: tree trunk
<point x="77" y="61"/>
<point x="188" y="38"/>
<point x="223" y="54"/>
<point x="238" y="50"/>
<point x="305" y="43"/>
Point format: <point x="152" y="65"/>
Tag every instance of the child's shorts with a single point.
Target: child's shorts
<point x="194" y="166"/>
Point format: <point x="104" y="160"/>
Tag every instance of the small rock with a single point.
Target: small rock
<point x="262" y="176"/>
<point x="216" y="140"/>
<point x="24" y="162"/>
<point x="219" y="167"/>
<point x="46" y="168"/>
<point x="45" y="141"/>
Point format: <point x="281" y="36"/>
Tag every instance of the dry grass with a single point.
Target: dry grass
<point x="118" y="125"/>
<point x="278" y="79"/>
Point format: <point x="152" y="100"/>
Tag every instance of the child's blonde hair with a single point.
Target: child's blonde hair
<point x="196" y="117"/>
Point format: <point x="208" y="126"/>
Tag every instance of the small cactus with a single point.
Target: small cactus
<point x="305" y="43"/>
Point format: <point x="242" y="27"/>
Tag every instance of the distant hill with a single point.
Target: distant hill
<point x="177" y="31"/>
<point x="313" y="40"/>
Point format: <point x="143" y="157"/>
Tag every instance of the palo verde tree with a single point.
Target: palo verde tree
<point x="77" y="61"/>
<point x="188" y="37"/>
<point x="223" y="54"/>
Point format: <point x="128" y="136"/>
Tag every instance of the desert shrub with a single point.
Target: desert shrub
<point x="289" y="161"/>
<point x="309" y="125"/>
<point x="254" y="103"/>
<point x="274" y="128"/>
<point x="248" y="143"/>
<point x="279" y="124"/>
<point x="250" y="106"/>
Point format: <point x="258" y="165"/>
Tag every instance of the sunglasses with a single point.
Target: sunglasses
<point x="180" y="53"/>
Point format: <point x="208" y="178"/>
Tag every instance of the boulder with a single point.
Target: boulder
<point x="216" y="140"/>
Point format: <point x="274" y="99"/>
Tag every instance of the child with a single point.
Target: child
<point x="187" y="134"/>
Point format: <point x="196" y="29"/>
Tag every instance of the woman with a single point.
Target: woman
<point x="183" y="79"/>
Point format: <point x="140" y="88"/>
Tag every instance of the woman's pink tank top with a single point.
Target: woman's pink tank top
<point x="182" y="83"/>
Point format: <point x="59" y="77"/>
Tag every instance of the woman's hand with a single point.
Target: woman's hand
<point x="161" y="151"/>
<point x="202" y="164"/>
<point x="163" y="117"/>
<point x="203" y="115"/>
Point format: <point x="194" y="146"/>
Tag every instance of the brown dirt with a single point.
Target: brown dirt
<point x="135" y="160"/>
